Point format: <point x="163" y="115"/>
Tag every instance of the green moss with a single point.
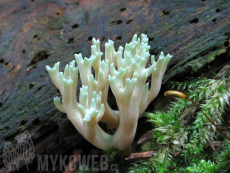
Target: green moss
<point x="115" y="157"/>
<point x="220" y="164"/>
<point x="145" y="30"/>
<point x="181" y="135"/>
<point x="135" y="28"/>
<point x="152" y="35"/>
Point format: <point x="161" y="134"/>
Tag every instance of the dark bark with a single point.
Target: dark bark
<point x="35" y="33"/>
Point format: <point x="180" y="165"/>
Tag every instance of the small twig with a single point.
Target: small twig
<point x="148" y="135"/>
<point x="216" y="143"/>
<point x="147" y="154"/>
<point x="213" y="148"/>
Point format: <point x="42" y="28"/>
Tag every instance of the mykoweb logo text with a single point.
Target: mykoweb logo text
<point x="58" y="162"/>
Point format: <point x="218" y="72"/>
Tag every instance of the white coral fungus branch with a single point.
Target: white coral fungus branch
<point x="124" y="70"/>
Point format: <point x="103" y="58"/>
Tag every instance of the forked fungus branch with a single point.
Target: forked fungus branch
<point x="124" y="71"/>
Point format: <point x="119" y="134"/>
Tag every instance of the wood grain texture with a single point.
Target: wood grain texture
<point x="37" y="33"/>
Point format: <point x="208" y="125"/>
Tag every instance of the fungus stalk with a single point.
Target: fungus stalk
<point x="124" y="71"/>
